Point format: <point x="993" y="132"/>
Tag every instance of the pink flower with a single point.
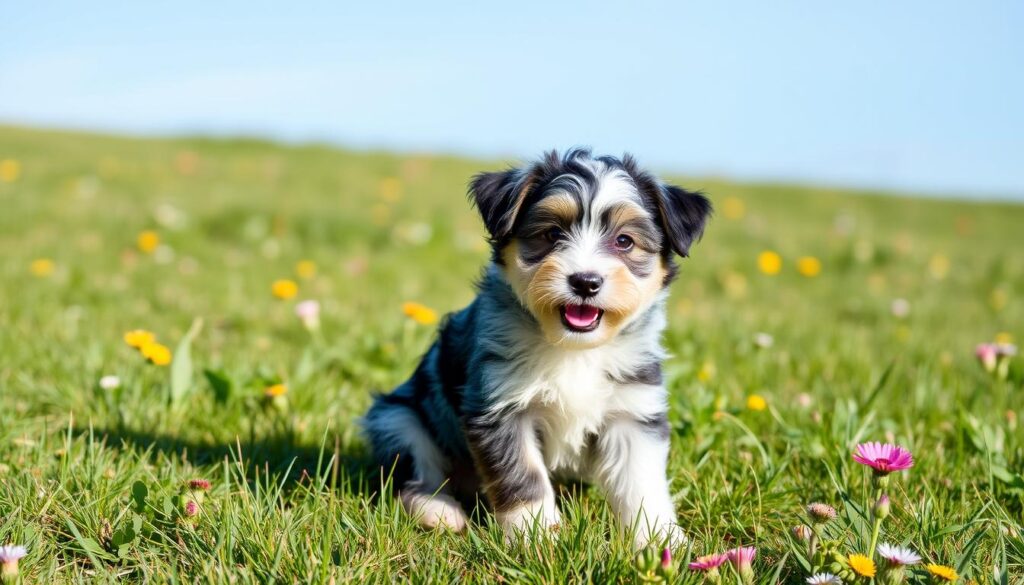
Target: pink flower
<point x="199" y="484"/>
<point x="821" y="513"/>
<point x="883" y="458"/>
<point x="309" y="313"/>
<point x="708" y="562"/>
<point x="987" y="353"/>
<point x="191" y="508"/>
<point x="741" y="557"/>
<point x="666" y="558"/>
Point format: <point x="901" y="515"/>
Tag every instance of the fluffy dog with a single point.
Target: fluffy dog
<point x="554" y="370"/>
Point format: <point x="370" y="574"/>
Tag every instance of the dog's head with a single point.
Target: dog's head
<point x="587" y="243"/>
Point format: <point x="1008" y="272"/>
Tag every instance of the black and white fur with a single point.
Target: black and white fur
<point x="515" y="390"/>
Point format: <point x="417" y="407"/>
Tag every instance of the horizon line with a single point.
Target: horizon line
<point x="879" y="189"/>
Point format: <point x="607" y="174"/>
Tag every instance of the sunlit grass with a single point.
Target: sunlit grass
<point x="807" y="321"/>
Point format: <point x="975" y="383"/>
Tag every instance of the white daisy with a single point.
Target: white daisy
<point x="10" y="554"/>
<point x="898" y="555"/>
<point x="763" y="340"/>
<point x="110" y="382"/>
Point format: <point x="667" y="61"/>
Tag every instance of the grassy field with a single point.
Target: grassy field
<point x="879" y="345"/>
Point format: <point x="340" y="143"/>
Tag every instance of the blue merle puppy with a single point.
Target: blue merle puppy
<point x="554" y="370"/>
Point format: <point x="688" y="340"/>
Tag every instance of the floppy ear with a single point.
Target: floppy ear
<point x="683" y="214"/>
<point x="499" y="196"/>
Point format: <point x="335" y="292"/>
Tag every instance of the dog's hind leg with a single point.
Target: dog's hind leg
<point x="399" y="439"/>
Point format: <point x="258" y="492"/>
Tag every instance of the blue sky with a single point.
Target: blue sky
<point x="913" y="95"/>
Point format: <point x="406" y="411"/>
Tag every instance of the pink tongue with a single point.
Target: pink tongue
<point x="581" y="316"/>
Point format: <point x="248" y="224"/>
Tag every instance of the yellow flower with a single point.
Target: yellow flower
<point x="284" y="289"/>
<point x="808" y="266"/>
<point x="147" y="241"/>
<point x="938" y="266"/>
<point x="275" y="390"/>
<point x="735" y="284"/>
<point x="943" y="572"/>
<point x="733" y="208"/>
<point x="138" y="338"/>
<point x="421" y="314"/>
<point x="756" y="402"/>
<point x="862" y="565"/>
<point x="706" y="372"/>
<point x="769" y="262"/>
<point x="1004" y="337"/>
<point x="305" y="269"/>
<point x="157" y="353"/>
<point x="390" y="189"/>
<point x="41" y="267"/>
<point x="998" y="298"/>
<point x="10" y="170"/>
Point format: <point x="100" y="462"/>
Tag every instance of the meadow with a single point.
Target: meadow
<point x="808" y="320"/>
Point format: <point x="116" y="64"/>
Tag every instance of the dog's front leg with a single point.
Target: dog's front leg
<point x="630" y="462"/>
<point x="515" y="479"/>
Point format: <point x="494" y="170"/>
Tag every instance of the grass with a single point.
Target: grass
<point x="90" y="478"/>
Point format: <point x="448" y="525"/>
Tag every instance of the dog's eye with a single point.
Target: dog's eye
<point x="554" y="234"/>
<point x="623" y="243"/>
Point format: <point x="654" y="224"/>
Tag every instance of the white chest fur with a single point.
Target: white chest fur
<point x="570" y="393"/>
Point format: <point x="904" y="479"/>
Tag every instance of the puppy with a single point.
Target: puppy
<point x="554" y="370"/>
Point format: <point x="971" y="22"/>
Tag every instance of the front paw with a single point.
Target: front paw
<point x="529" y="519"/>
<point x="434" y="510"/>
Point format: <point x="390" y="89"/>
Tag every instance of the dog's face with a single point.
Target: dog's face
<point x="586" y="243"/>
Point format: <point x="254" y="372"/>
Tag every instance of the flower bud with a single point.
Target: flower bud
<point x="196" y="490"/>
<point x="880" y="480"/>
<point x="894" y="575"/>
<point x="667" y="569"/>
<point x="646" y="561"/>
<point x="882" y="507"/>
<point x="821" y="513"/>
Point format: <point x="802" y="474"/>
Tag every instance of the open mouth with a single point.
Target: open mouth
<point x="581" y="318"/>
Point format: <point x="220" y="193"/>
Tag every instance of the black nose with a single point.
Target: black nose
<point x="586" y="284"/>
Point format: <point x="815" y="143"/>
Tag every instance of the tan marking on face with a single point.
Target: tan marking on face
<point x="561" y="206"/>
<point x="622" y="213"/>
<point x="630" y="295"/>
<point x="541" y="287"/>
<point x="543" y="293"/>
<point x="635" y="221"/>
